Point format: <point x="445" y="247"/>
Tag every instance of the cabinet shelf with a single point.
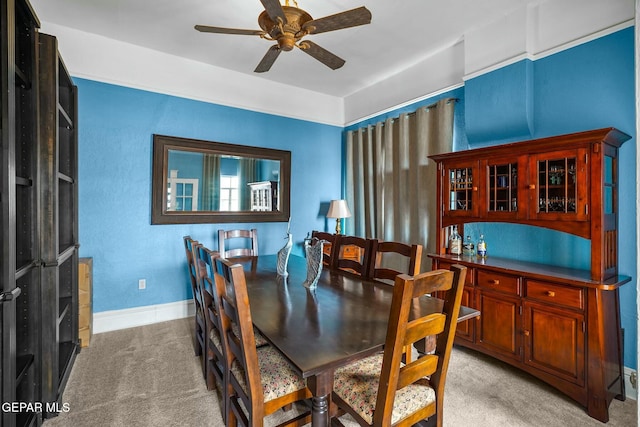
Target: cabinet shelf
<point x="24" y="269"/>
<point x="66" y="356"/>
<point x="65" y="178"/>
<point x="22" y="80"/>
<point x="23" y="363"/>
<point x="65" y="120"/>
<point x="24" y="182"/>
<point x="64" y="307"/>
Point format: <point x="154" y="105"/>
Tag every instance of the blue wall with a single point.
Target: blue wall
<point x="587" y="87"/>
<point x="116" y="125"/>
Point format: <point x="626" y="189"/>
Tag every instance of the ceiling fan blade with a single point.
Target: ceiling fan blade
<point x="350" y="18"/>
<point x="268" y="59"/>
<point x="327" y="58"/>
<point x="221" y="30"/>
<point x="274" y="10"/>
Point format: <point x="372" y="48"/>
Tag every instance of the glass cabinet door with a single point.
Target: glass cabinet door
<point x="461" y="189"/>
<point x="502" y="187"/>
<point x="560" y="185"/>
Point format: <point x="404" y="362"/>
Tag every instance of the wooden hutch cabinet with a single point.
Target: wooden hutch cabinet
<point x="559" y="324"/>
<point x="38" y="207"/>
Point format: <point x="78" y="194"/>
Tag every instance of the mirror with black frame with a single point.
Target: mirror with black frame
<point x="197" y="181"/>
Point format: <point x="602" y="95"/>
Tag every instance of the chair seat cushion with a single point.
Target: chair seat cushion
<point x="260" y="339"/>
<point x="214" y="336"/>
<point x="357" y="385"/>
<point x="277" y="376"/>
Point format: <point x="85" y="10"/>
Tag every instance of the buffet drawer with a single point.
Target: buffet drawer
<point x="499" y="282"/>
<point x="555" y="294"/>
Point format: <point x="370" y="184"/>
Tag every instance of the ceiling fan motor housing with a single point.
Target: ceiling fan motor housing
<point x="290" y="32"/>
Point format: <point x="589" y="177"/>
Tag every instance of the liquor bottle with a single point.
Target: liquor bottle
<point x="469" y="248"/>
<point x="482" y="247"/>
<point x="455" y="242"/>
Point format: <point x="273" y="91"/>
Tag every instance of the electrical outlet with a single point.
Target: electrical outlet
<point x="142" y="284"/>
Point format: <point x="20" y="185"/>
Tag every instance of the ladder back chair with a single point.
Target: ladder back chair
<point x="199" y="326"/>
<point x="260" y="380"/>
<point x="381" y="390"/>
<point x="215" y="360"/>
<point x="391" y="256"/>
<point x="229" y="240"/>
<point x="353" y="254"/>
<point x="327" y="249"/>
<point x="212" y="288"/>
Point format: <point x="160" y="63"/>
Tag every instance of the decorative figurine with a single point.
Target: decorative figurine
<point x="283" y="254"/>
<point x="314" y="262"/>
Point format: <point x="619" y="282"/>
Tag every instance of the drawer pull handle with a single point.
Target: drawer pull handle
<point x="532" y="186"/>
<point x="550" y="293"/>
<point x="494" y="282"/>
<point x="526" y="333"/>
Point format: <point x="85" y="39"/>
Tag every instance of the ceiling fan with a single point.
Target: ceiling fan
<point x="287" y="25"/>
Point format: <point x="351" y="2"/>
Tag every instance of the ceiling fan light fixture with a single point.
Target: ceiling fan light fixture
<point x="287" y="25"/>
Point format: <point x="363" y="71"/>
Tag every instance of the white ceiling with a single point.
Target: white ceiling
<point x="401" y="34"/>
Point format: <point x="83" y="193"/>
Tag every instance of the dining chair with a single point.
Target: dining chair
<point x="199" y="327"/>
<point x="381" y="390"/>
<point x="211" y="290"/>
<point x="238" y="243"/>
<point x="327" y="249"/>
<point x="215" y="359"/>
<point x="353" y="254"/>
<point x="393" y="258"/>
<point x="260" y="380"/>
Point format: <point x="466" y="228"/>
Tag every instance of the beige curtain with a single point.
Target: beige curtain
<point x="390" y="182"/>
<point x="210" y="182"/>
<point x="248" y="172"/>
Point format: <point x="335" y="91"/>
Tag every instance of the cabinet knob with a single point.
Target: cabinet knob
<point x="494" y="282"/>
<point x="475" y="188"/>
<point x="532" y="186"/>
<point x="526" y="333"/>
<point x="550" y="294"/>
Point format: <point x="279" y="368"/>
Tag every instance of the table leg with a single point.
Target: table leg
<point x="321" y="386"/>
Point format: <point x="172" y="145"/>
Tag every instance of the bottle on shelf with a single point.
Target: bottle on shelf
<point x="469" y="249"/>
<point x="482" y="247"/>
<point x="455" y="242"/>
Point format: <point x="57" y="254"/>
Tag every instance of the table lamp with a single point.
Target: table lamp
<point x="338" y="209"/>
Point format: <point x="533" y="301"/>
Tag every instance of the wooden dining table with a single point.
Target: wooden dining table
<point x="342" y="320"/>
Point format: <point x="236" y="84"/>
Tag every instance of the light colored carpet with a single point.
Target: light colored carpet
<point x="149" y="376"/>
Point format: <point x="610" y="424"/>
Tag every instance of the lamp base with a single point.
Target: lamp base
<point x="338" y="226"/>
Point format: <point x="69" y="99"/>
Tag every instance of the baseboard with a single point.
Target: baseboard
<point x="629" y="390"/>
<point x="113" y="320"/>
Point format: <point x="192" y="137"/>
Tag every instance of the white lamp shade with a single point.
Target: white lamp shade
<point x="338" y="209"/>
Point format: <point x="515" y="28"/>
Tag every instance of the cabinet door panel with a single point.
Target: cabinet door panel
<point x="499" y="324"/>
<point x="460" y="189"/>
<point x="559" y="186"/>
<point x="554" y="341"/>
<point x="503" y="185"/>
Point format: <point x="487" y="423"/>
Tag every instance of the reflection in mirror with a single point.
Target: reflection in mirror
<point x="200" y="181"/>
<point x="212" y="182"/>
